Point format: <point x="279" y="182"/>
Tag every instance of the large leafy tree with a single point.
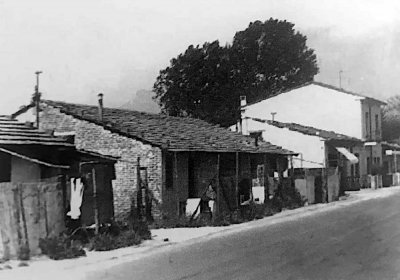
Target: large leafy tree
<point x="206" y="81"/>
<point x="391" y="119"/>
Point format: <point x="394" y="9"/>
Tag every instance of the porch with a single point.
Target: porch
<point x="192" y="179"/>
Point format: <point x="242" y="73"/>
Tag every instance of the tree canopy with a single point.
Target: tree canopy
<point x="206" y="81"/>
<point x="391" y="119"/>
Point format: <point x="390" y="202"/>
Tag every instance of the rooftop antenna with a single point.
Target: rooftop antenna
<point x="37" y="98"/>
<point x="340" y="78"/>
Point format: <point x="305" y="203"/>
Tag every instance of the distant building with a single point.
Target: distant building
<point x="326" y="108"/>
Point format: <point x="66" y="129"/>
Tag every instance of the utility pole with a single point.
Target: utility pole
<point x="37" y="98"/>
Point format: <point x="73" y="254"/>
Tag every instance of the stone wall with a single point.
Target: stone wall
<point x="95" y="138"/>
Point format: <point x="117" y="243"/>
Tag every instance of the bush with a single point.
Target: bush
<point x="222" y="221"/>
<point x="119" y="236"/>
<point x="142" y="229"/>
<point x="107" y="242"/>
<point x="287" y="197"/>
<point x="111" y="237"/>
<point x="253" y="211"/>
<point x="61" y="247"/>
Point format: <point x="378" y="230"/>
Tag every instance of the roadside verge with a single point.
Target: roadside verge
<point x="44" y="268"/>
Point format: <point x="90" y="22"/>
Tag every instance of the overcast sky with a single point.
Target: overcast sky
<point x="118" y="47"/>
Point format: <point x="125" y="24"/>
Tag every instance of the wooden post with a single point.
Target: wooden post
<point x="46" y="218"/>
<point x="291" y="170"/>
<point x="175" y="184"/>
<point x="25" y="252"/>
<point x="325" y="174"/>
<point x="218" y="208"/>
<point x="96" y="210"/>
<point x="266" y="182"/>
<point x="63" y="182"/>
<point x="17" y="217"/>
<point x="237" y="180"/>
<point x="138" y="189"/>
<point x="280" y="175"/>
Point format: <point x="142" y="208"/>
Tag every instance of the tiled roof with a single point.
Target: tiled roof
<point x="321" y="85"/>
<point x="391" y="145"/>
<point x="347" y="91"/>
<point x="308" y="130"/>
<point x="171" y="133"/>
<point x="13" y="132"/>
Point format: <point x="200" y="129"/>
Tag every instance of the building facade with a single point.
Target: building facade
<point x="331" y="109"/>
<point x="162" y="161"/>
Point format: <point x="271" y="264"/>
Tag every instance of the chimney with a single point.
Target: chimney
<point x="273" y="116"/>
<point x="243" y="103"/>
<point x="100" y="97"/>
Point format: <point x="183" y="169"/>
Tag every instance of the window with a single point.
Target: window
<point x="257" y="136"/>
<point x="366" y="123"/>
<point x="377" y="124"/>
<point x="169" y="170"/>
<point x="368" y="165"/>
<point x="377" y="160"/>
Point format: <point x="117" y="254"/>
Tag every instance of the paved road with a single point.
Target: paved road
<point x="360" y="241"/>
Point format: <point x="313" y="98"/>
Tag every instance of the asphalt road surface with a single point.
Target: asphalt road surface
<point x="359" y="241"/>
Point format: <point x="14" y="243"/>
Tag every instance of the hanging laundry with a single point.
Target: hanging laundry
<point x="76" y="198"/>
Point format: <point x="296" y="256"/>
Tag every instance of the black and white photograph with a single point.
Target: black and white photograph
<point x="199" y="140"/>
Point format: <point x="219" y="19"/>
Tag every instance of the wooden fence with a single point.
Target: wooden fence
<point x="333" y="184"/>
<point x="308" y="187"/>
<point x="28" y="212"/>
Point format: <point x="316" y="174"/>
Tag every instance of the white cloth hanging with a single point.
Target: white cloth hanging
<point x="76" y="198"/>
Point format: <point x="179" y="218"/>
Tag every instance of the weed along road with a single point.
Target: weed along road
<point x="356" y="241"/>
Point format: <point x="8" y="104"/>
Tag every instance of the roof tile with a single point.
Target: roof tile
<point x="13" y="132"/>
<point x="172" y="133"/>
<point x="308" y="130"/>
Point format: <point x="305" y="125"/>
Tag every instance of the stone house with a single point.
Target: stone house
<point x="175" y="158"/>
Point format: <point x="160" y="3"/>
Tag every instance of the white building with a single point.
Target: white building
<point x="320" y="107"/>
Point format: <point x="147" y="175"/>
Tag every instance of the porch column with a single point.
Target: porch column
<point x="291" y="170"/>
<point x="218" y="208"/>
<point x="237" y="179"/>
<point x="280" y="175"/>
<point x="96" y="210"/>
<point x="266" y="182"/>
<point x="138" y="189"/>
<point x="175" y="184"/>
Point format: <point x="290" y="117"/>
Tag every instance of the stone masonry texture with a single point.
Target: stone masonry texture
<point x="92" y="137"/>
